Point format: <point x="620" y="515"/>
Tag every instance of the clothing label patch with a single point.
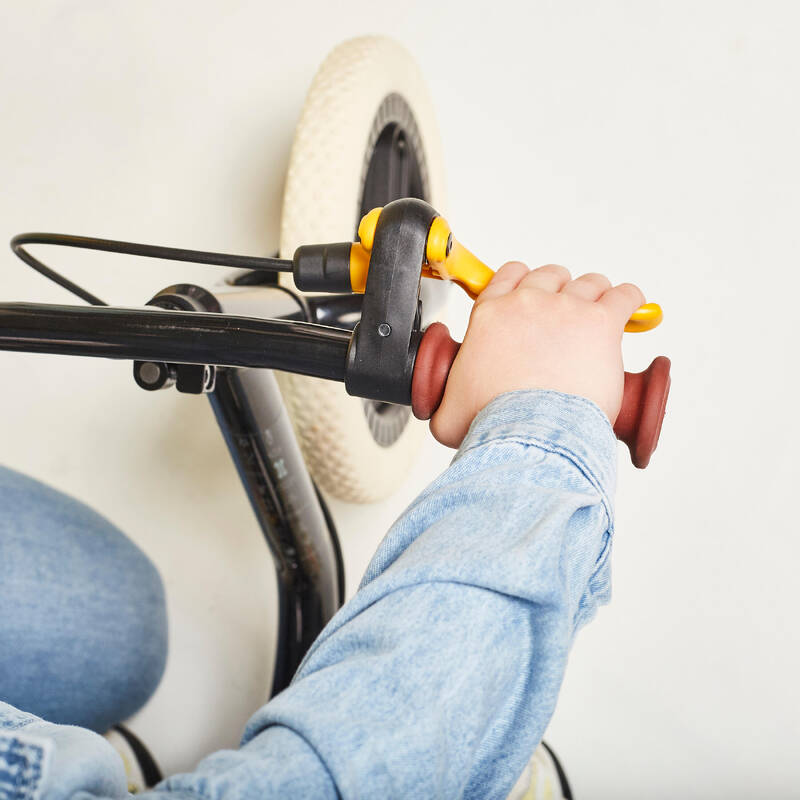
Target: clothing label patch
<point x="23" y="765"/>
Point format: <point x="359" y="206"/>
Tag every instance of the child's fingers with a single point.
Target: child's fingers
<point x="622" y="301"/>
<point x="549" y="278"/>
<point x="588" y="287"/>
<point x="505" y="280"/>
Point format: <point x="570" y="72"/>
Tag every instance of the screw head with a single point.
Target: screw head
<point x="149" y="372"/>
<point x="384" y="329"/>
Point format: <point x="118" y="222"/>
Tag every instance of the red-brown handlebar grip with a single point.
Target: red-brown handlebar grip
<point x="643" y="402"/>
<point x="436" y="354"/>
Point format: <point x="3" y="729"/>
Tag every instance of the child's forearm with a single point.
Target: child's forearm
<point x="439" y="677"/>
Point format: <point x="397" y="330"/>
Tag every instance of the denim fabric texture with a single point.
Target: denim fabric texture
<point x="439" y="677"/>
<point x="83" y="625"/>
<point x="23" y="763"/>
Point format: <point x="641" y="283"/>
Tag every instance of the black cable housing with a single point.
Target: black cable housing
<point x="18" y="243"/>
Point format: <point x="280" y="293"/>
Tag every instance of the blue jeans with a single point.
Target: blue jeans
<point x="83" y="624"/>
<point x="439" y="677"/>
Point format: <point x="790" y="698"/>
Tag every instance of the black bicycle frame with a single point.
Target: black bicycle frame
<point x="230" y="356"/>
<point x="241" y="350"/>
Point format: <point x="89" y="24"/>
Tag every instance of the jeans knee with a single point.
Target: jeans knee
<point x="83" y="623"/>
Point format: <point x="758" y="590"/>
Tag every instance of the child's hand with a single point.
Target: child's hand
<point x="538" y="329"/>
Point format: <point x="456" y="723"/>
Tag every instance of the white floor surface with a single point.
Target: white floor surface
<point x="655" y="142"/>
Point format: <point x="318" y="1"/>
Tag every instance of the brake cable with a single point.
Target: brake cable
<point x="19" y="242"/>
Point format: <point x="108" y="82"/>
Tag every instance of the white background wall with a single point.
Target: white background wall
<point x="652" y="141"/>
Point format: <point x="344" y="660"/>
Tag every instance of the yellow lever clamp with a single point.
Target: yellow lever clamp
<point x="447" y="259"/>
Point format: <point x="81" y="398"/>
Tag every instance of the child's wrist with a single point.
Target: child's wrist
<point x="569" y="425"/>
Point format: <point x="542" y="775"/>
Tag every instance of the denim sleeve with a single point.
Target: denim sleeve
<point x="439" y="677"/>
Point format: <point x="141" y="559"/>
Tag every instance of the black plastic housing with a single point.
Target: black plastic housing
<point x="380" y="361"/>
<point x="322" y="267"/>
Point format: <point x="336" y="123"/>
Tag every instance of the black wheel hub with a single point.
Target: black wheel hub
<point x="394" y="167"/>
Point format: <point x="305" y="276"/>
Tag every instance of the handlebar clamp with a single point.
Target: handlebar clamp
<point x="383" y="348"/>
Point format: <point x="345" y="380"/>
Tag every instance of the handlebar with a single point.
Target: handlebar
<point x="386" y="358"/>
<point x="175" y="337"/>
<point x="638" y="423"/>
<point x="178" y="337"/>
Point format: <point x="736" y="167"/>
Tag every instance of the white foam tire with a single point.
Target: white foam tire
<point x="342" y="112"/>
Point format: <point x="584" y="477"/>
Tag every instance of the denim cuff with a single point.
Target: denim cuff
<point x="571" y="426"/>
<point x="40" y="759"/>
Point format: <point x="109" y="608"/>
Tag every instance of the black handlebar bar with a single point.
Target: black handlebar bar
<point x="175" y="337"/>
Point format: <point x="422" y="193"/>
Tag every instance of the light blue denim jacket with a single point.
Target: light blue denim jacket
<point x="439" y="677"/>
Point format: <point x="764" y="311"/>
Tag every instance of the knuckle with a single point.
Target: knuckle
<point x="602" y="315"/>
<point x="593" y="314"/>
<point x="556" y="269"/>
<point x="509" y="271"/>
<point x="528" y="300"/>
<point x="631" y="289"/>
<point x="515" y="265"/>
<point x="482" y="314"/>
<point x="596" y="278"/>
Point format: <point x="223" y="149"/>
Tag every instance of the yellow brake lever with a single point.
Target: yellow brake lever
<point x="448" y="259"/>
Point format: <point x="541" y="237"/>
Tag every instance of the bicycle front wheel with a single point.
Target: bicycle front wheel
<point x="367" y="135"/>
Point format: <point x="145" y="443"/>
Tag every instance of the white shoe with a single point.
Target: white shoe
<point x="140" y="767"/>
<point x="542" y="779"/>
